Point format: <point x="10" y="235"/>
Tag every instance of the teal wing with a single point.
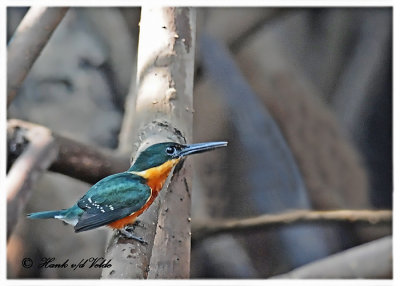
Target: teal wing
<point x="113" y="198"/>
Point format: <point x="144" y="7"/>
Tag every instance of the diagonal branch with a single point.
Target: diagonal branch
<point x="27" y="43"/>
<point x="77" y="160"/>
<point x="372" y="260"/>
<point x="204" y="229"/>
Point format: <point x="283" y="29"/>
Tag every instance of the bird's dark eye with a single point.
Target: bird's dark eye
<point x="170" y="150"/>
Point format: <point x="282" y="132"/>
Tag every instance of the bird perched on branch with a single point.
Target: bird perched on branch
<point x="119" y="199"/>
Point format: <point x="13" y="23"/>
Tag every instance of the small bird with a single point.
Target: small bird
<point x="119" y="199"/>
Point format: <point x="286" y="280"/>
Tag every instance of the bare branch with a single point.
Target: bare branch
<point x="27" y="43"/>
<point x="86" y="163"/>
<point x="370" y="260"/>
<point x="75" y="159"/>
<point x="37" y="157"/>
<point x="204" y="229"/>
<point x="162" y="112"/>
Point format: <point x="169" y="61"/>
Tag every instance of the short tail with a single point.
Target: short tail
<point x="47" y="214"/>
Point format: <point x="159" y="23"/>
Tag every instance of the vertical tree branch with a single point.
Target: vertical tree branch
<point x="359" y="76"/>
<point x="163" y="112"/>
<point x="36" y="158"/>
<point x="27" y="43"/>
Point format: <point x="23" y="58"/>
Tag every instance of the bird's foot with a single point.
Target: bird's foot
<point x="132" y="227"/>
<point x="128" y="234"/>
<point x="138" y="223"/>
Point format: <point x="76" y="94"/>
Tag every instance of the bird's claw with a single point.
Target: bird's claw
<point x="128" y="234"/>
<point x="138" y="223"/>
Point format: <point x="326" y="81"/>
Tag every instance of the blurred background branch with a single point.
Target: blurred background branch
<point x="258" y="133"/>
<point x="27" y="43"/>
<point x="77" y="160"/>
<point x="373" y="260"/>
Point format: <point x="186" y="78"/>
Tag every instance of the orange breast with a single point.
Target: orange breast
<point x="121" y="223"/>
<point x="155" y="179"/>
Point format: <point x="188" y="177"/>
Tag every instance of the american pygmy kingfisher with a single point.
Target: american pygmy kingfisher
<point x="118" y="199"/>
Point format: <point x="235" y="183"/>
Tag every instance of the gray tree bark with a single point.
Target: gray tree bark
<point x="161" y="111"/>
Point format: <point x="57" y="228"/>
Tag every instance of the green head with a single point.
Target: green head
<point x="158" y="154"/>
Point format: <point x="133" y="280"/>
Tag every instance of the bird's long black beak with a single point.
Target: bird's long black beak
<point x="200" y="147"/>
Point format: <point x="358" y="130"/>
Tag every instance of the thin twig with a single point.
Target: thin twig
<point x="204" y="229"/>
<point x="77" y="160"/>
<point x="27" y="43"/>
